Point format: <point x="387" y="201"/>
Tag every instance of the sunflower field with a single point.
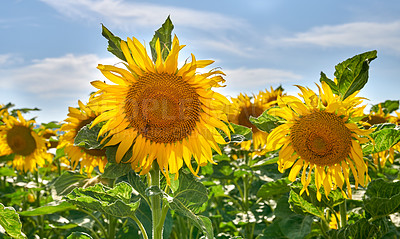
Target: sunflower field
<point x="156" y="152"/>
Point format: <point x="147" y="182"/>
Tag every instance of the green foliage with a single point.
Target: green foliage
<point x="388" y="106"/>
<point x="266" y="122"/>
<point x="382" y="198"/>
<point x="351" y="74"/>
<point x="239" y="134"/>
<point x="384" y="137"/>
<point x="87" y="137"/>
<point x="68" y="181"/>
<point x="49" y="209"/>
<point x="271" y="189"/>
<point x="116" y="170"/>
<point x="79" y="235"/>
<point x="163" y="34"/>
<point x="9" y="220"/>
<point x="114" y="43"/>
<point x="362" y="229"/>
<point x="111" y="201"/>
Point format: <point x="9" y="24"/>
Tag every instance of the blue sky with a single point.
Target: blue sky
<point x="49" y="49"/>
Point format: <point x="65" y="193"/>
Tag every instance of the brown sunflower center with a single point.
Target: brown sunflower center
<point x="321" y="138"/>
<point x="162" y="107"/>
<point x="246" y="112"/>
<point x="20" y="140"/>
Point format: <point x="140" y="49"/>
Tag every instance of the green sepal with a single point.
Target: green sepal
<point x="165" y="38"/>
<point x="114" y="43"/>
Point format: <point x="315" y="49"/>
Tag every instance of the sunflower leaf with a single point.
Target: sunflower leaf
<point x="352" y="74"/>
<point x="49" y="209"/>
<point x="79" y="235"/>
<point x="382" y="198"/>
<point x="65" y="183"/>
<point x="360" y="229"/>
<point x="114" y="43"/>
<point x="330" y="82"/>
<point x="111" y="201"/>
<point x="240" y="134"/>
<point x="87" y="137"/>
<point x="388" y="106"/>
<point x="163" y="34"/>
<point x="187" y="201"/>
<point x="274" y="188"/>
<point x="116" y="170"/>
<point x="9" y="221"/>
<point x="265" y="122"/>
<point x="384" y="136"/>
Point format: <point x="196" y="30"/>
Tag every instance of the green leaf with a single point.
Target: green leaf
<point x="330" y="82"/>
<point x="187" y="201"/>
<point x="385" y="136"/>
<point x="308" y="204"/>
<point x="6" y="158"/>
<point x="9" y="221"/>
<point x="51" y="125"/>
<point x="59" y="153"/>
<point x="65" y="183"/>
<point x="7" y="172"/>
<point x="116" y="170"/>
<point x="136" y="182"/>
<point x="87" y="137"/>
<point x="164" y="36"/>
<point x="388" y="106"/>
<point x="361" y="229"/>
<point x="112" y="201"/>
<point x="266" y="122"/>
<point x="382" y="198"/>
<point x="23" y="110"/>
<point x="79" y="235"/>
<point x="352" y="74"/>
<point x="49" y="209"/>
<point x="114" y="43"/>
<point x="274" y="188"/>
<point x="111" y="151"/>
<point x="240" y="134"/>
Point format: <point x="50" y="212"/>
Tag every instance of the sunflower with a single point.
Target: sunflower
<point x="88" y="158"/>
<point x="319" y="137"/>
<point x="163" y="113"/>
<point x="243" y="107"/>
<point x="18" y="137"/>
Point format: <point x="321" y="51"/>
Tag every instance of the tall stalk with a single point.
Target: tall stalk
<point x="155" y="201"/>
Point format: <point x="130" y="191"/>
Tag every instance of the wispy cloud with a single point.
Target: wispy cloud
<point x="127" y="15"/>
<point x="52" y="78"/>
<point x="356" y="34"/>
<point x="252" y="80"/>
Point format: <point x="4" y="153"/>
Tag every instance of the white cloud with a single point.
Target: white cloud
<point x="252" y="80"/>
<point x="357" y="34"/>
<point x="9" y="59"/>
<point x="129" y="15"/>
<point x="51" y="78"/>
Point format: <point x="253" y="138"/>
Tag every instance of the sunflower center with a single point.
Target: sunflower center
<point x="321" y="138"/>
<point x="246" y="112"/>
<point x="162" y="107"/>
<point x="20" y="140"/>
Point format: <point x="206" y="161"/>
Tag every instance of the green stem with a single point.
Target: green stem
<point x="156" y="203"/>
<point x="103" y="230"/>
<point x="141" y="227"/>
<point x="343" y="213"/>
<point x="111" y="227"/>
<point x="322" y="224"/>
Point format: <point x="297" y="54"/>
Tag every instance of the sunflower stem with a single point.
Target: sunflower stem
<point x="141" y="227"/>
<point x="155" y="200"/>
<point x="343" y="214"/>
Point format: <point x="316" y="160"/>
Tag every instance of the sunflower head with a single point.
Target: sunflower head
<point x="18" y="137"/>
<point x="88" y="158"/>
<point x="159" y="111"/>
<point x="243" y="107"/>
<point x="318" y="135"/>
